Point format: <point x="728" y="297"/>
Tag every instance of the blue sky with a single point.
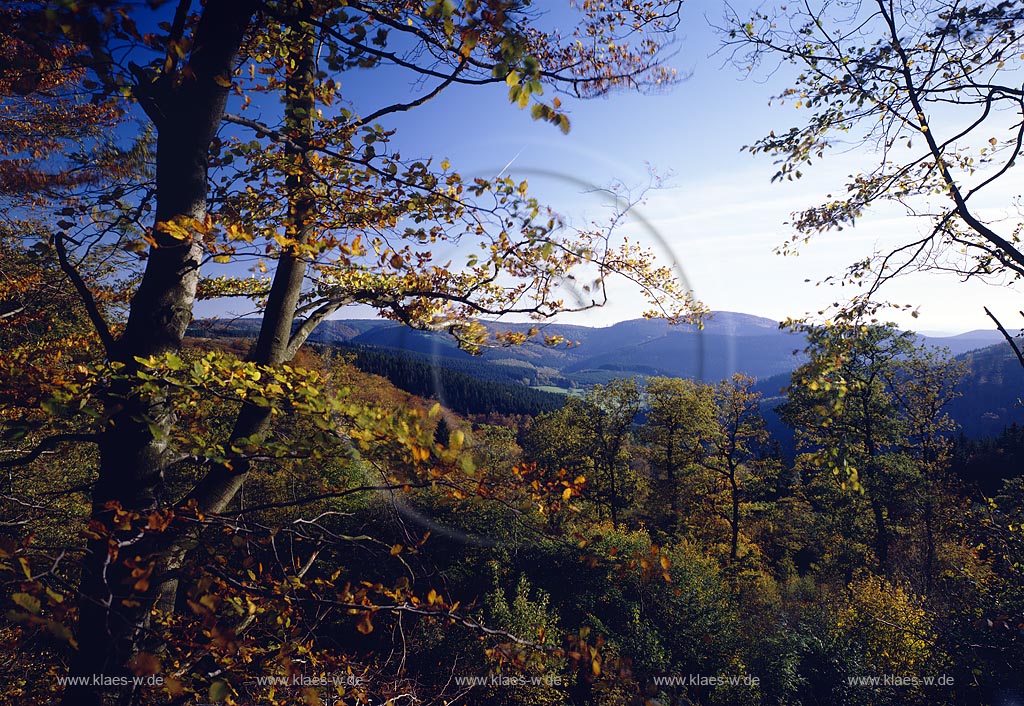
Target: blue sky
<point x="719" y="218"/>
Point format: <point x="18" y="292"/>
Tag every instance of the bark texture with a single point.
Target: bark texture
<point x="114" y="607"/>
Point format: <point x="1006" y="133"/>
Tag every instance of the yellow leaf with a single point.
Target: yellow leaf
<point x="27" y="601"/>
<point x="173" y="228"/>
<point x="236" y="232"/>
<point x="456" y="439"/>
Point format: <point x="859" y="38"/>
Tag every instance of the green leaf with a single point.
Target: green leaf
<point x="61" y="632"/>
<point x="219" y="691"/>
<point x="456" y="439"/>
<point x="174" y="362"/>
<point x="27" y="601"/>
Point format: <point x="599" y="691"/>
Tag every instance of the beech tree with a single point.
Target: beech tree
<point x="741" y="446"/>
<point x="678" y="411"/>
<point x="845" y="416"/>
<point x="924" y="385"/>
<point x="590" y="437"/>
<point x="712" y="431"/>
<point x="931" y="89"/>
<point x="869" y="408"/>
<point x="327" y="212"/>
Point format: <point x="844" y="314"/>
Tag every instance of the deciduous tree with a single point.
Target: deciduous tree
<point x="713" y="431"/>
<point x="869" y="409"/>
<point x="591" y="437"/>
<point x="321" y="199"/>
<point x="931" y="89"/>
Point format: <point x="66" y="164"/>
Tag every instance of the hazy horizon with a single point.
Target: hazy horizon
<point x="365" y="314"/>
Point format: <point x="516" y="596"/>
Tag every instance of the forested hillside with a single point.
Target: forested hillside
<point x="732" y="343"/>
<point x="458" y="390"/>
<point x="607" y="544"/>
<point x="728" y="343"/>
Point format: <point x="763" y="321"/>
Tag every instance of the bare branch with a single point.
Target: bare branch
<point x="1007" y="336"/>
<point x="403" y="107"/>
<point x="98" y="322"/>
<point x="47" y="445"/>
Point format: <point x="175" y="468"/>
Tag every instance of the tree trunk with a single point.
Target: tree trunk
<point x="929" y="532"/>
<point x="874" y="491"/>
<point x="670" y="473"/>
<point x="216" y="490"/>
<point x="881" y="534"/>
<point x="272" y="345"/>
<point x="613" y="499"/>
<point x="735" y="519"/>
<point x="114" y="606"/>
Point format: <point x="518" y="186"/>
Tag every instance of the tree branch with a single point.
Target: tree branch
<point x="403" y="107"/>
<point x="98" y="322"/>
<point x="47" y="445"/>
<point x="1007" y="336"/>
<point x="328" y="496"/>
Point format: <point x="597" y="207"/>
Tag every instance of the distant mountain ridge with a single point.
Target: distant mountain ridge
<point x="729" y="342"/>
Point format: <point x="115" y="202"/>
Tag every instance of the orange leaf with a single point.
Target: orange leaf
<point x="365" y="625"/>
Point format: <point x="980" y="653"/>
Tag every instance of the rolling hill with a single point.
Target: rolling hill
<point x="729" y="342"/>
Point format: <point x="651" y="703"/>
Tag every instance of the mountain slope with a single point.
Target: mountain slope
<point x="729" y="342"/>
